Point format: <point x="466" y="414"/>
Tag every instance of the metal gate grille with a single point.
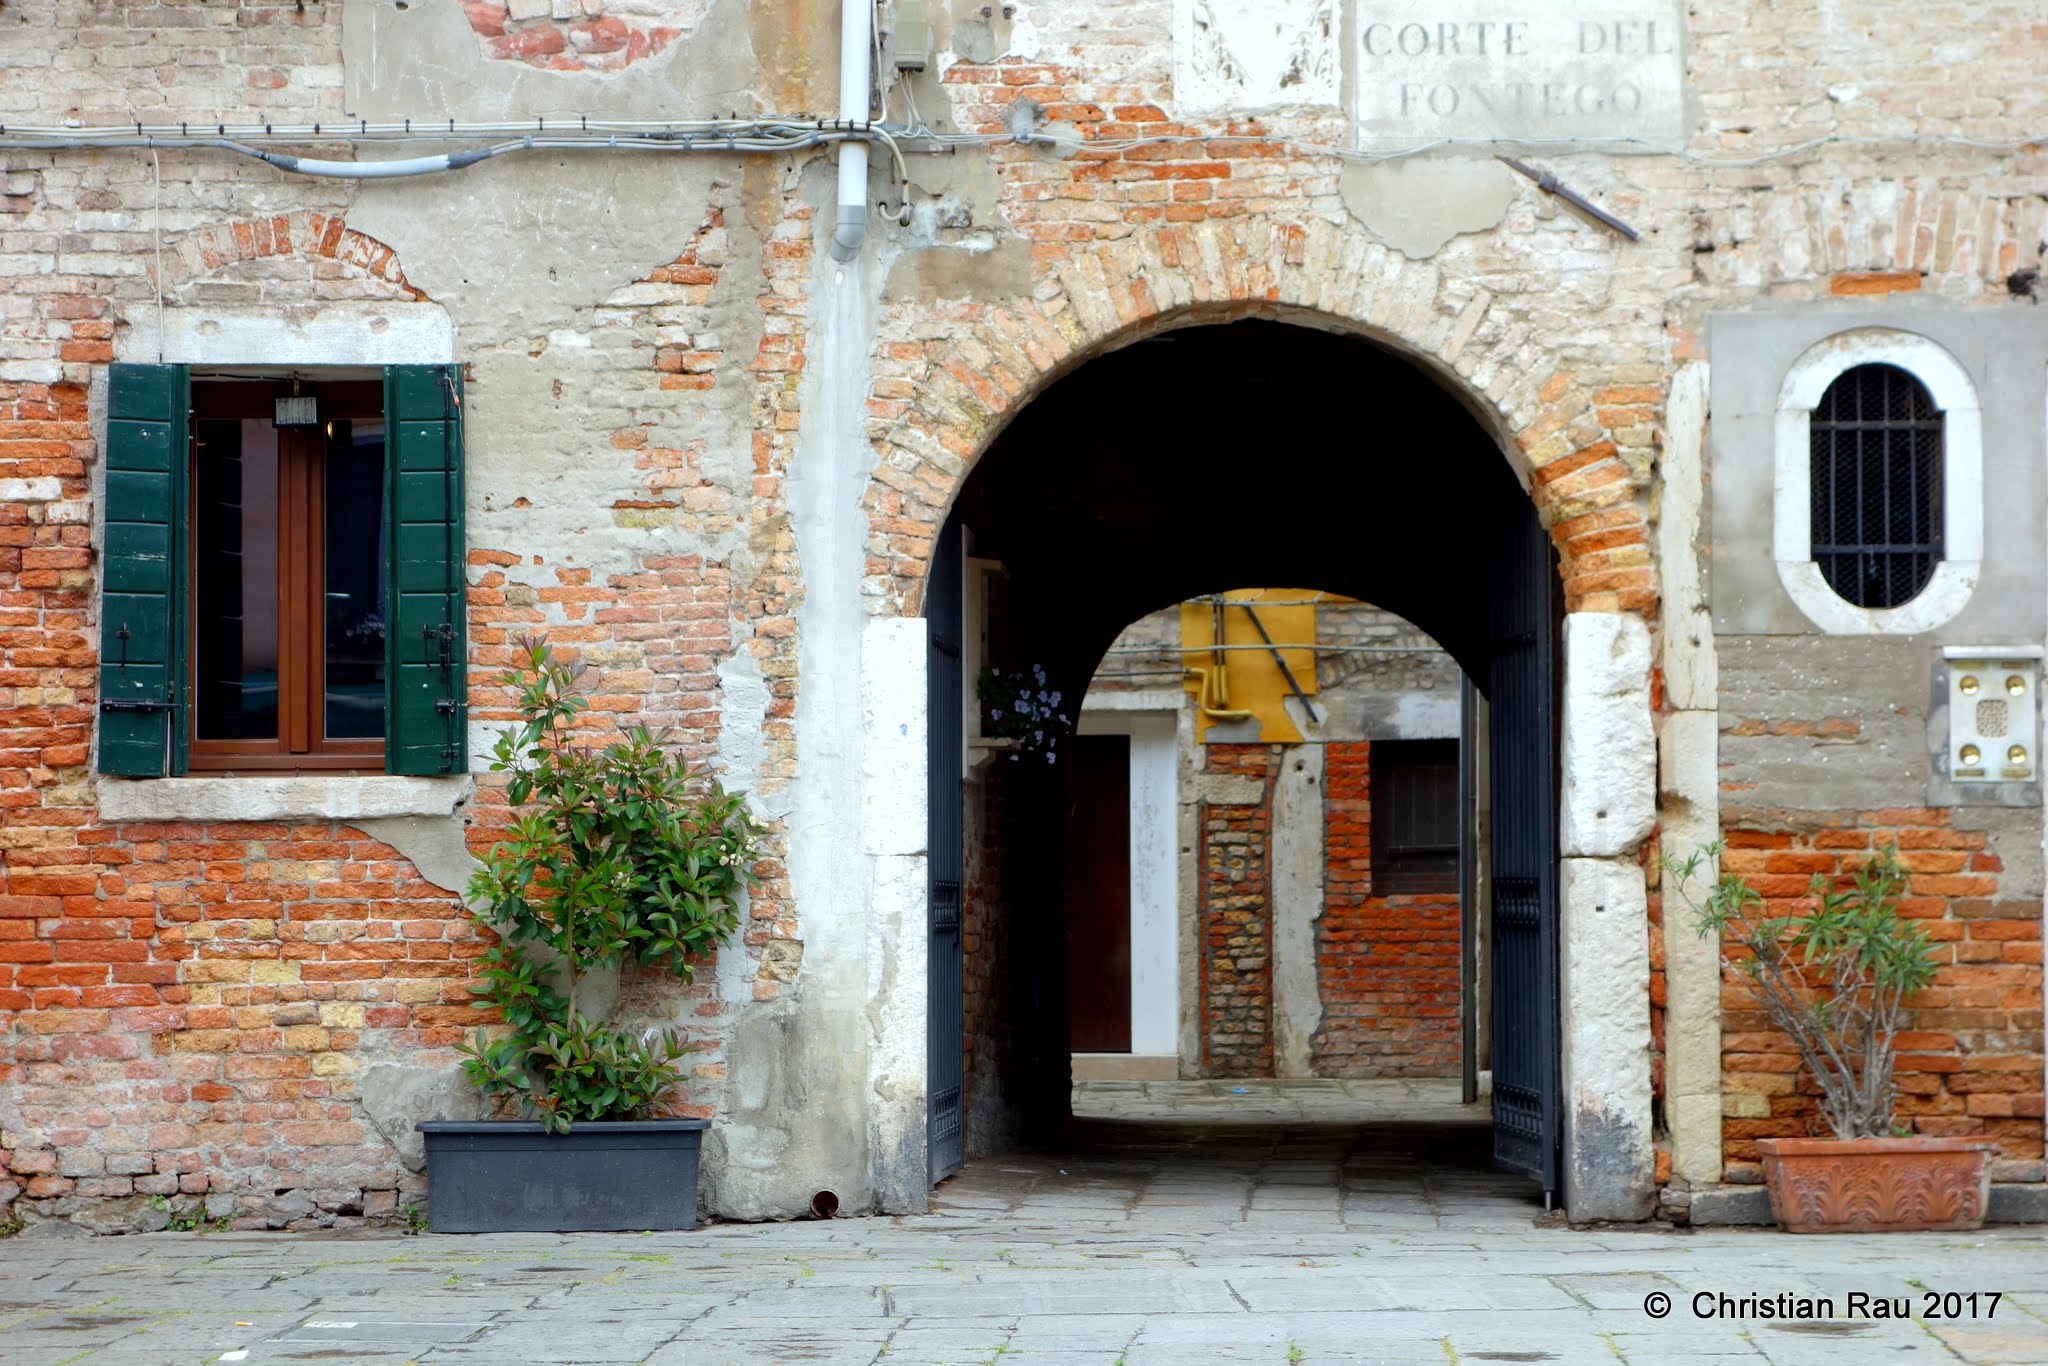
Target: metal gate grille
<point x="1876" y="466"/>
<point x="944" y="1002"/>
<point x="1527" y="1123"/>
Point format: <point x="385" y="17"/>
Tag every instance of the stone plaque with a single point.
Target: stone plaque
<point x="1484" y="69"/>
<point x="1231" y="57"/>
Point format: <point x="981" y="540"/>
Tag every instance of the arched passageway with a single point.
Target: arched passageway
<point x="1193" y="462"/>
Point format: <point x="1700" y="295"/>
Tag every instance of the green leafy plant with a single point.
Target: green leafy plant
<point x="614" y="856"/>
<point x="188" y="1216"/>
<point x="1833" y="974"/>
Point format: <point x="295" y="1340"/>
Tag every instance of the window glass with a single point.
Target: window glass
<point x="235" y="571"/>
<point x="1876" y="471"/>
<point x="353" y="691"/>
<point x="288" y="574"/>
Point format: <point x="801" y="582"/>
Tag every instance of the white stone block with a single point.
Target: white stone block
<point x="1690" y="678"/>
<point x="1604" y="979"/>
<point x="893" y="759"/>
<point x="275" y="799"/>
<point x="1610" y="750"/>
<point x="1690" y="813"/>
<point x="38" y="490"/>
<point x="1243" y="57"/>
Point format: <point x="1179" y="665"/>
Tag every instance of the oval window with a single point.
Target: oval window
<point x="1876" y="471"/>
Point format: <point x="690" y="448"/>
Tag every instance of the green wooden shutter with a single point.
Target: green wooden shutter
<point x="142" y="603"/>
<point x="425" y="711"/>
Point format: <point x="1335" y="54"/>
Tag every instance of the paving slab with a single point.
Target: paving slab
<point x="1364" y="1223"/>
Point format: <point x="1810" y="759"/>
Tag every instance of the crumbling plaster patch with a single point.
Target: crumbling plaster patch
<point x="1418" y="204"/>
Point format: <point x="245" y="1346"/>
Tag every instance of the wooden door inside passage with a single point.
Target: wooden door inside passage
<point x="1097" y="892"/>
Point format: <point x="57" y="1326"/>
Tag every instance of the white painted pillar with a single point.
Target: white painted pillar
<point x="1154" y="896"/>
<point x="894" y="831"/>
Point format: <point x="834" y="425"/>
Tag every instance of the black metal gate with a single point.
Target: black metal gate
<point x="944" y="1002"/>
<point x="1523" y="753"/>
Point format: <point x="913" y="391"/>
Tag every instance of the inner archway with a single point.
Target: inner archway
<point x="1192" y="463"/>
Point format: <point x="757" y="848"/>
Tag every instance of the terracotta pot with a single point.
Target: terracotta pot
<point x="1877" y="1185"/>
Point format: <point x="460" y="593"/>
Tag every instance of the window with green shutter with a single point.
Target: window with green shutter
<point x="143" y="558"/>
<point x="425" y="710"/>
<point x="283" y="573"/>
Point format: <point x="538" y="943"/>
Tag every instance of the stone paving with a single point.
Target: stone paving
<point x="1178" y="1224"/>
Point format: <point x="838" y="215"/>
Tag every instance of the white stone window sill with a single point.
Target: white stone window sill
<point x="275" y="799"/>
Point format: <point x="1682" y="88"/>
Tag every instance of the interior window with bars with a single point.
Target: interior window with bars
<point x="1876" y="471"/>
<point x="1414" y="817"/>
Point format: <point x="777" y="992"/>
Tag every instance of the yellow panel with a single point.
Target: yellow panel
<point x="1251" y="681"/>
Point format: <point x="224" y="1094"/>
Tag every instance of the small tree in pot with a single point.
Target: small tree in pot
<point x="1834" y="974"/>
<point x="615" y="856"/>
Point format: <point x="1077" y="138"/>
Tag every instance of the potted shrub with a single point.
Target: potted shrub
<point x="1834" y="975"/>
<point x="616" y="858"/>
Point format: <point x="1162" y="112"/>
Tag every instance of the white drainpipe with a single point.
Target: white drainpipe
<point x="854" y="18"/>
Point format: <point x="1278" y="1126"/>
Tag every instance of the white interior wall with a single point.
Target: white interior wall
<point x="1155" y="868"/>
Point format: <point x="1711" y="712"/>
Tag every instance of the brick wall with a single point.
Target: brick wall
<point x="1006" y="814"/>
<point x="196" y="1000"/>
<point x="1386" y="966"/>
<point x="189" y="1008"/>
<point x="1970" y="1055"/>
<point x="1237" y="918"/>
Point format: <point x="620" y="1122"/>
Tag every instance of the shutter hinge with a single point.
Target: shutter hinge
<point x="135" y="704"/>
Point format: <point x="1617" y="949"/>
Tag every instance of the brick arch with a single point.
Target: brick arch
<point x="307" y="235"/>
<point x="950" y="375"/>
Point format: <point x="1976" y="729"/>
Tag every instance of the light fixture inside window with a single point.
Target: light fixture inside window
<point x="296" y="409"/>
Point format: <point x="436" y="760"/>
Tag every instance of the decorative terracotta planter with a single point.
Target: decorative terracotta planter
<point x="1877" y="1185"/>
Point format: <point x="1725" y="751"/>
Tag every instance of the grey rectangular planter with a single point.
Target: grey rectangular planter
<point x="603" y="1176"/>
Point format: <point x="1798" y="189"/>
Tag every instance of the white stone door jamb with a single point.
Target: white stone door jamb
<point x="1609" y="808"/>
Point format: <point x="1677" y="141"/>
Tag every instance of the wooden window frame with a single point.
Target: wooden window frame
<point x="301" y="744"/>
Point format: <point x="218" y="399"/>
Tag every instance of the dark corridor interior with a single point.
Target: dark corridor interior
<point x="1192" y="462"/>
<point x="1251" y="452"/>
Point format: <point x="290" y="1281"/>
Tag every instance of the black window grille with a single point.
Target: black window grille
<point x="1414" y="817"/>
<point x="1876" y="450"/>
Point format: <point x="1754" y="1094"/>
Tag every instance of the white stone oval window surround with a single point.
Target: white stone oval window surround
<point x="1955" y="578"/>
